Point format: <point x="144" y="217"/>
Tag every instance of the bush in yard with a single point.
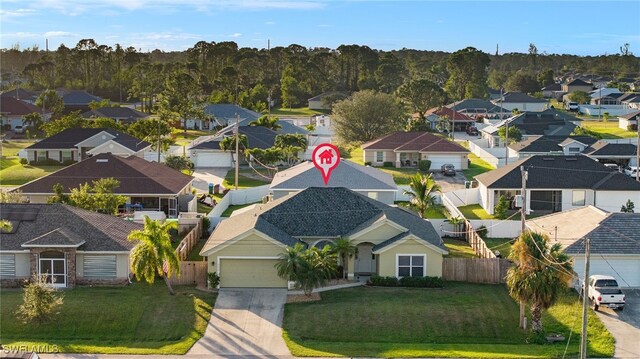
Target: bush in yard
<point x="384" y="281"/>
<point x="628" y="207"/>
<point x="500" y="210"/>
<point x="40" y="301"/>
<point x="424" y="165"/>
<point x="482" y="231"/>
<point x="213" y="280"/>
<point x="47" y="162"/>
<point x="367" y="163"/>
<point x="206" y="224"/>
<point x="387" y="164"/>
<point x="421" y="282"/>
<point x="632" y="127"/>
<point x="23" y="161"/>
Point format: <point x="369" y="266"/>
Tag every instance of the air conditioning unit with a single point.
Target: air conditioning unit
<point x="517" y="201"/>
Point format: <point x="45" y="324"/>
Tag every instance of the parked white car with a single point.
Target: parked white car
<point x="631" y="170"/>
<point x="604" y="291"/>
<point x="18" y="129"/>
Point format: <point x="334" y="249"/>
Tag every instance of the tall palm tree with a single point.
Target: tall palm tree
<point x="290" y="262"/>
<point x="5" y="225"/>
<point x="540" y="273"/>
<point x="229" y="144"/>
<point x="344" y="248"/>
<point x="268" y="122"/>
<point x="154" y="253"/>
<point x="422" y="189"/>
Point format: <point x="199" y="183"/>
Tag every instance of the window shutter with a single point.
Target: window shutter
<point x="7" y="265"/>
<point x="99" y="266"/>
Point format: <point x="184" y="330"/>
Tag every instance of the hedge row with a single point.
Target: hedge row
<point x="415" y="282"/>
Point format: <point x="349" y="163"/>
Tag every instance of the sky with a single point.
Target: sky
<point x="570" y="27"/>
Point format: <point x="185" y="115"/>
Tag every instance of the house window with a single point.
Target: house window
<point x="372" y="195"/>
<point x="411" y="265"/>
<point x="379" y="156"/>
<point x="7" y="265"/>
<point x="66" y="156"/>
<point x="574" y="149"/>
<point x="99" y="266"/>
<point x="579" y="198"/>
<point x="41" y="155"/>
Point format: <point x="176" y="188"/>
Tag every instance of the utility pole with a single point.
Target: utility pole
<point x="159" y="140"/>
<point x="585" y="301"/>
<point x="453" y="126"/>
<point x="237" y="158"/>
<point x="523" y="212"/>
<point x="638" y="150"/>
<point x="506" y="142"/>
<point x="600" y="105"/>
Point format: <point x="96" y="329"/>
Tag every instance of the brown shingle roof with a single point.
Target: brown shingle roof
<point x="12" y="107"/>
<point x="414" y="141"/>
<point x="136" y="176"/>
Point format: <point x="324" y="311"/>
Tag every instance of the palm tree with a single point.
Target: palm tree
<point x="229" y="144"/>
<point x="290" y="262"/>
<point x="268" y="122"/>
<point x="422" y="189"/>
<point x="154" y="253"/>
<point x="309" y="268"/>
<point x="456" y="222"/>
<point x="539" y="275"/>
<point x="343" y="248"/>
<point x="5" y="225"/>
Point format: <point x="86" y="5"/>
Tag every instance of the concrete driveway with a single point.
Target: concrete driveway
<point x="245" y="322"/>
<point x="450" y="183"/>
<point x="204" y="176"/>
<point x="625" y="325"/>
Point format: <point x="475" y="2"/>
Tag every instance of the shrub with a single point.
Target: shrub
<point x="68" y="162"/>
<point x="482" y="231"/>
<point x="23" y="161"/>
<point x="500" y="209"/>
<point x="213" y="280"/>
<point x="40" y="301"/>
<point x="421" y="282"/>
<point x="387" y="164"/>
<point x="367" y="163"/>
<point x="46" y="162"/>
<point x="632" y="127"/>
<point x="206" y="224"/>
<point x="424" y="165"/>
<point x="384" y="281"/>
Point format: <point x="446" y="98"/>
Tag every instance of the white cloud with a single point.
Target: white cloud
<point x="21" y="35"/>
<point x="8" y="15"/>
<point x="50" y="34"/>
<point x="235" y="35"/>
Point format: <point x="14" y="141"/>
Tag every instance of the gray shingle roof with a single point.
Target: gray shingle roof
<point x="550" y="172"/>
<point x="229" y="112"/>
<point x="257" y="137"/>
<point x="69" y="138"/>
<point x="542" y="144"/>
<point x="477" y="104"/>
<point x="66" y="225"/>
<point x="319" y="212"/>
<point x="79" y="97"/>
<point x="125" y="113"/>
<point x="619" y="233"/>
<point x="603" y="148"/>
<point x="347" y="174"/>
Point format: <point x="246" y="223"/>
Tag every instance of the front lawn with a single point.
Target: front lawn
<point x="475" y="211"/>
<point x="246" y="179"/>
<point x="402" y="176"/>
<point x="11" y="148"/>
<point x="304" y="111"/>
<point x="432" y="213"/>
<point x="477" y="166"/>
<point x="607" y="130"/>
<point x="136" y="319"/>
<point x="459" y="248"/>
<point x="181" y="140"/>
<point x="500" y="244"/>
<point x="18" y="174"/>
<point x="233" y="207"/>
<point x="354" y="155"/>
<point x="461" y="320"/>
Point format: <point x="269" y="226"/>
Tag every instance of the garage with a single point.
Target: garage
<point x="249" y="273"/>
<point x="625" y="270"/>
<point x="438" y="160"/>
<point x="211" y="159"/>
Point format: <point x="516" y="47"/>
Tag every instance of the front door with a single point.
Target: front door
<point x="365" y="260"/>
<point x="54" y="267"/>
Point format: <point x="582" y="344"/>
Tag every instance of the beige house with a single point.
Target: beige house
<point x="577" y="85"/>
<point x="390" y="241"/>
<point x="405" y="149"/>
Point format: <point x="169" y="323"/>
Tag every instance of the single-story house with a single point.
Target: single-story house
<point x="205" y="151"/>
<point x="521" y="101"/>
<point x="365" y="180"/>
<point x="149" y="186"/>
<point x="614" y="240"/>
<point x="390" y="241"/>
<point x="632" y="102"/>
<point x="458" y="120"/>
<point x="69" y="245"/>
<point x="21" y="94"/>
<point x="606" y="152"/>
<point x="549" y="122"/>
<point x="119" y="114"/>
<point x="13" y="112"/>
<point x="77" y="100"/>
<point x="577" y="85"/>
<point x="222" y="115"/>
<point x="558" y="183"/>
<point x="480" y="109"/>
<point x="552" y="90"/>
<point x="630" y="119"/>
<point x="550" y="145"/>
<point x="319" y="102"/>
<point x="76" y="144"/>
<point x="405" y="149"/>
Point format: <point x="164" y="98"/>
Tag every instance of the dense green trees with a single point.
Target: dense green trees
<point x="467" y="74"/>
<point x="420" y="95"/>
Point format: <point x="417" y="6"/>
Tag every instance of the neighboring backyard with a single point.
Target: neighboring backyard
<point x="477" y="166"/>
<point x="461" y="320"/>
<point x="304" y="111"/>
<point x="181" y="140"/>
<point x="134" y="319"/>
<point x="12" y="173"/>
<point x="246" y="178"/>
<point x="607" y="130"/>
<point x="458" y="248"/>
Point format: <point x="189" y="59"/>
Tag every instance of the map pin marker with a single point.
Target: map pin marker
<point x="326" y="158"/>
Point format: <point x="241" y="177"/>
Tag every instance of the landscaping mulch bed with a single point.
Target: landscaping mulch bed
<point x="301" y="298"/>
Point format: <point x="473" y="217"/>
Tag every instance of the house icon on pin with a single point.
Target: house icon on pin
<point x="326" y="157"/>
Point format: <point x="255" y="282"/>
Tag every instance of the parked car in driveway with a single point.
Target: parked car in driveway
<point x="604" y="291"/>
<point x="472" y="131"/>
<point x="18" y="129"/>
<point x="631" y="170"/>
<point x="448" y="170"/>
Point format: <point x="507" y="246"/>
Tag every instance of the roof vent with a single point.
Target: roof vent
<point x="548" y="159"/>
<point x="102" y="160"/>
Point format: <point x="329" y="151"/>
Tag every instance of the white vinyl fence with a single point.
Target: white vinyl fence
<point x="241" y="196"/>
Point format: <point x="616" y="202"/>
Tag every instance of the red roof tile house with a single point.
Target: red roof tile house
<point x="13" y="111"/>
<point x="456" y="119"/>
<point x="405" y="149"/>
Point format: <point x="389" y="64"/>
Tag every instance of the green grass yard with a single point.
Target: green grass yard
<point x="244" y="181"/>
<point x="304" y="111"/>
<point x="18" y="174"/>
<point x="11" y="148"/>
<point x="181" y="140"/>
<point x="461" y="320"/>
<point x="458" y="248"/>
<point x="500" y="244"/>
<point x="608" y="130"/>
<point x="136" y="319"/>
<point x="476" y="167"/>
<point x="432" y="213"/>
<point x="354" y="154"/>
<point x="233" y="207"/>
<point x="475" y="211"/>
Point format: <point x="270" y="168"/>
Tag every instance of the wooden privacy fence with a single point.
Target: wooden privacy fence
<point x="482" y="270"/>
<point x="476" y="242"/>
<point x="189" y="241"/>
<point x="191" y="273"/>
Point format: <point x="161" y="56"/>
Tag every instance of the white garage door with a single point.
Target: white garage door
<point x="438" y="160"/>
<point x="250" y="273"/>
<point x="204" y="159"/>
<point x="625" y="271"/>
